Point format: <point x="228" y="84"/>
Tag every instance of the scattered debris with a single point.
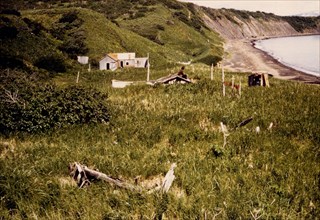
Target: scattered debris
<point x="84" y="176"/>
<point x="225" y="132"/>
<point x="123" y="84"/>
<point x="270" y="126"/>
<point x="168" y="179"/>
<point x="245" y="122"/>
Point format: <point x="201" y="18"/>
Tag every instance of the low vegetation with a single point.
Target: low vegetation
<point x="273" y="174"/>
<point x="134" y="134"/>
<point x="30" y="105"/>
<point x="303" y="23"/>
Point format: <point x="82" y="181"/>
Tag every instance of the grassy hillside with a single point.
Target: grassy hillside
<point x="24" y="43"/>
<point x="274" y="173"/>
<point x="134" y="134"/>
<point x="172" y="29"/>
<point x="154" y="33"/>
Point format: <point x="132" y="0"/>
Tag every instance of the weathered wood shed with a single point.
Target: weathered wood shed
<point x="171" y="79"/>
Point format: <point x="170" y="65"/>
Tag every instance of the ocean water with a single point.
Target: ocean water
<point x="301" y="52"/>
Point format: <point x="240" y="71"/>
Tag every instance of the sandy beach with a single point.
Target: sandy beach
<point x="242" y="56"/>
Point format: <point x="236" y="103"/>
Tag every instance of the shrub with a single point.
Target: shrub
<point x="11" y="12"/>
<point x="34" y="26"/>
<point x="172" y="4"/>
<point x="302" y="23"/>
<point x="69" y="17"/>
<point x="210" y="59"/>
<point x="8" y="32"/>
<point x="53" y="63"/>
<point x="40" y="108"/>
<point x="11" y="62"/>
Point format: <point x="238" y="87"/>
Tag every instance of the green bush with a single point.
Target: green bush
<point x="302" y="23"/>
<point x="210" y="59"/>
<point x="53" y="63"/>
<point x="42" y="107"/>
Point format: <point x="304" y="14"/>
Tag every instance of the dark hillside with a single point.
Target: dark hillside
<point x="26" y="44"/>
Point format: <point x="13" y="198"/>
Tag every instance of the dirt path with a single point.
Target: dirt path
<point x="241" y="56"/>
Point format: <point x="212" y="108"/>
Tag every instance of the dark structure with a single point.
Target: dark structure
<point x="254" y="80"/>
<point x="257" y="79"/>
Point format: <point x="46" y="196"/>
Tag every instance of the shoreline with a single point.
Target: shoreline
<point x="242" y="56"/>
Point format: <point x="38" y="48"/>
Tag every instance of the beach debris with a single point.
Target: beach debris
<point x="245" y="122"/>
<point x="270" y="126"/>
<point x="168" y="179"/>
<point x="225" y="132"/>
<point x="84" y="176"/>
<point x="255" y="214"/>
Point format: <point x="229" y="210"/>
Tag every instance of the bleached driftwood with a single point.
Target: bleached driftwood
<point x="84" y="175"/>
<point x="168" y="179"/>
<point x="225" y="132"/>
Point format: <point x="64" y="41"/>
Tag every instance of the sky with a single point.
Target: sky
<point x="278" y="7"/>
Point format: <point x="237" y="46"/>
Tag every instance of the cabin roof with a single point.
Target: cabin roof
<point x="169" y="78"/>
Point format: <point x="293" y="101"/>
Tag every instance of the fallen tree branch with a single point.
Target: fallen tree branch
<point x="246" y="121"/>
<point x="84" y="175"/>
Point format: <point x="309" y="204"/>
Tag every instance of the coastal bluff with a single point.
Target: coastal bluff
<point x="233" y="24"/>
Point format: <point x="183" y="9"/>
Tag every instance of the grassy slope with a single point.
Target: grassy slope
<point x="27" y="46"/>
<point x="276" y="172"/>
<point x="178" y="37"/>
<point x="103" y="36"/>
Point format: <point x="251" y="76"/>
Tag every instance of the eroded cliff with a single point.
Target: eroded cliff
<point x="233" y="24"/>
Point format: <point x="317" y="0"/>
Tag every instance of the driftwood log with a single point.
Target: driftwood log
<point x="84" y="176"/>
<point x="246" y="121"/>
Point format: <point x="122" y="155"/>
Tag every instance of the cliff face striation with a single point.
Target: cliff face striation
<point x="233" y="24"/>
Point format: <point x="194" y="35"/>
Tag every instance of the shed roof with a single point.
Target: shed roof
<point x="169" y="78"/>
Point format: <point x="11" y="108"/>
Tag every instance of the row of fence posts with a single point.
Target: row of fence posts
<point x="223" y="82"/>
<point x="212" y="70"/>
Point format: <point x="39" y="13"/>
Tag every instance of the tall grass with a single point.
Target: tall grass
<point x="274" y="173"/>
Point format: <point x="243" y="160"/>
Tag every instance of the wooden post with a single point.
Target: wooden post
<point x="212" y="71"/>
<point x="77" y="81"/>
<point x="266" y="78"/>
<point x="223" y="85"/>
<point x="89" y="68"/>
<point x="148" y="73"/>
<point x="240" y="87"/>
<point x="232" y="83"/>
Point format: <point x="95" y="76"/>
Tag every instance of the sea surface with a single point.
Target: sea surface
<point x="299" y="52"/>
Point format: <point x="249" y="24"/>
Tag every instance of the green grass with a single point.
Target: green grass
<point x="275" y="172"/>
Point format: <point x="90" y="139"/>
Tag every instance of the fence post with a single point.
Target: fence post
<point x="77" y="81"/>
<point x="223" y="85"/>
